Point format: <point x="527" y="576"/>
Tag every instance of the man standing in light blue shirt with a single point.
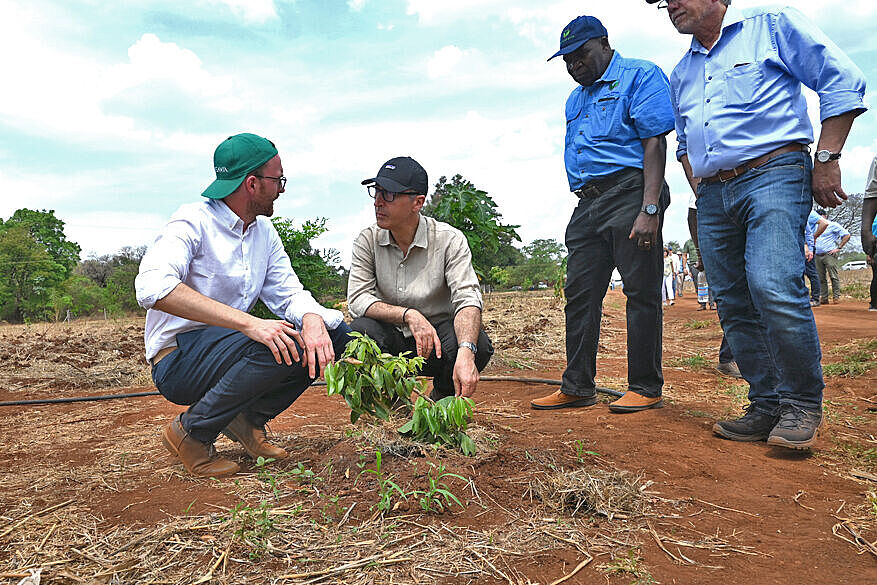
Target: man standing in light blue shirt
<point x="828" y="246"/>
<point x="869" y="236"/>
<point x="743" y="132"/>
<point x="814" y="227"/>
<point x="616" y="121"/>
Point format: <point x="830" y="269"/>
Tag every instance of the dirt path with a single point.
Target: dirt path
<point x="715" y="510"/>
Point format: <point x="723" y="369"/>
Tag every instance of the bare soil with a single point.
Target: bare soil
<point x="698" y="509"/>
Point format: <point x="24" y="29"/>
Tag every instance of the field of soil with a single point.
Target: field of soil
<point x="88" y="494"/>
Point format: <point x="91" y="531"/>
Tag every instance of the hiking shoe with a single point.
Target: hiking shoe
<point x="797" y="427"/>
<point x="633" y="402"/>
<point x="872" y="308"/>
<point x="200" y="459"/>
<point x="729" y="369"/>
<point x="253" y="439"/>
<point x="815" y="302"/>
<point x="755" y="425"/>
<point x="558" y="399"/>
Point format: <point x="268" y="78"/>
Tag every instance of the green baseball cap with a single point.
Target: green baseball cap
<point x="235" y="158"/>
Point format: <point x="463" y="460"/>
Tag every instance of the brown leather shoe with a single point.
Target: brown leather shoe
<point x="198" y="458"/>
<point x="560" y="400"/>
<point x="253" y="439"/>
<point x="633" y="402"/>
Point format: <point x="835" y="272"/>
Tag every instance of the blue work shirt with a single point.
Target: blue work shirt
<point x="830" y="237"/>
<point x="607" y="121"/>
<point x="810" y="228"/>
<point x="742" y="98"/>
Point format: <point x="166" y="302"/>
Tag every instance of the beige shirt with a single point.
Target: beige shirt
<point x="435" y="277"/>
<point x="871" y="185"/>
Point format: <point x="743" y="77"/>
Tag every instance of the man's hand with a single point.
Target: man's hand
<point x="645" y="231"/>
<point x="278" y="336"/>
<point x="808" y="253"/>
<point x="424" y="334"/>
<point x="868" y="244"/>
<point x="317" y="345"/>
<point x="827" y="190"/>
<point x="465" y="373"/>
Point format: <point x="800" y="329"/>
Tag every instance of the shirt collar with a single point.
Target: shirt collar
<point x="225" y="215"/>
<point x="733" y="15"/>
<point x="385" y="239"/>
<point x="613" y="70"/>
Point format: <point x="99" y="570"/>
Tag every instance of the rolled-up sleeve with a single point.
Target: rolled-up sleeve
<point x="166" y="263"/>
<point x="681" y="141"/>
<point x="284" y="294"/>
<point x="461" y="278"/>
<point x="362" y="282"/>
<point x="871" y="184"/>
<point x="650" y="106"/>
<point x="819" y="64"/>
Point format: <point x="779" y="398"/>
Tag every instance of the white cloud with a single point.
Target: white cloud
<point x="252" y="11"/>
<point x="356" y="5"/>
<point x="445" y="61"/>
<point x="387" y="27"/>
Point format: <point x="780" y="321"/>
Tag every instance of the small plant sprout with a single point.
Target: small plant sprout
<point x="437" y="490"/>
<point x="387" y="488"/>
<point x="371" y="381"/>
<point x="443" y="422"/>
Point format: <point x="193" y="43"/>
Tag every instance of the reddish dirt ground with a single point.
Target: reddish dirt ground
<point x="781" y="504"/>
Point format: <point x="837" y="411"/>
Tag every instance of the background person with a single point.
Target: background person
<point x="616" y="121"/>
<point x="826" y="251"/>
<point x="814" y="227"/>
<point x="869" y="237"/>
<point x="412" y="286"/>
<point x="198" y="281"/>
<point x="743" y="134"/>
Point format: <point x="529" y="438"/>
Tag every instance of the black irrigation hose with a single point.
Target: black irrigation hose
<point x="317" y="383"/>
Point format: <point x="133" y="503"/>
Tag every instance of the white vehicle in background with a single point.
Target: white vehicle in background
<point x="855" y="265"/>
<point x="615" y="281"/>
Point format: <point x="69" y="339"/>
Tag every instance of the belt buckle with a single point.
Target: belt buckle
<point x="734" y="176"/>
<point x="589" y="192"/>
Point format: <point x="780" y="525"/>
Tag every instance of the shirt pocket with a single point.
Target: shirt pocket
<point x="604" y="116"/>
<point x="741" y="83"/>
<point x="573" y="115"/>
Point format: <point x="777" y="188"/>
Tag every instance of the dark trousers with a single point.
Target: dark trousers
<point x="391" y="340"/>
<point x="813" y="276"/>
<point x="726" y="356"/>
<point x="597" y="240"/>
<point x="221" y="372"/>
<point x="874" y="280"/>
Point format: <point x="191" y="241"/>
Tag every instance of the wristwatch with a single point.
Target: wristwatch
<point x="470" y="346"/>
<point x="650" y="209"/>
<point x="824" y="156"/>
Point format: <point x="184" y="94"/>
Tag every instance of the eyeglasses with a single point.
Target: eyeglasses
<point x="661" y="3"/>
<point x="388" y="196"/>
<point x="281" y="181"/>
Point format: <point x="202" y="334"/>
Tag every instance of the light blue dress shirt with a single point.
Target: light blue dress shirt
<point x="830" y="237"/>
<point x="743" y="98"/>
<point x="607" y="121"/>
<point x="810" y="229"/>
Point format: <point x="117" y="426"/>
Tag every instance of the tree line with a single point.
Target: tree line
<point x="42" y="276"/>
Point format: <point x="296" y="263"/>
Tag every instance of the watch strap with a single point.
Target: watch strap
<point x="470" y="346"/>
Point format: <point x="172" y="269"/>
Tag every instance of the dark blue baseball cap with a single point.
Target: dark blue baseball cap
<point x="578" y="32"/>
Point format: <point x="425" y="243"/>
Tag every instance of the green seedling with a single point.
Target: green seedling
<point x="581" y="451"/>
<point x="370" y="381"/>
<point x="387" y="488"/>
<point x="443" y="422"/>
<point x="437" y="490"/>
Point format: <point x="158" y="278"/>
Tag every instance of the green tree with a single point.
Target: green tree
<point x="28" y="275"/>
<point x="48" y="230"/>
<point x="673" y="245"/>
<point x="472" y="211"/>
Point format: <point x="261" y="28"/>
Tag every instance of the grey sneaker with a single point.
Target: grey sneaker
<point x="729" y="369"/>
<point x="797" y="427"/>
<point x="755" y="425"/>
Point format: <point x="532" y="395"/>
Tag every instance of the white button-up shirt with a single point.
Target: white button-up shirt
<point x="204" y="245"/>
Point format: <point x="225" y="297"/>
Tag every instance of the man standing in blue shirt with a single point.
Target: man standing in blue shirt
<point x="616" y="121"/>
<point x="827" y="247"/>
<point x="814" y="227"/>
<point x="869" y="234"/>
<point x="743" y="132"/>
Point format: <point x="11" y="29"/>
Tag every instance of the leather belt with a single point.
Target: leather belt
<point x="162" y="353"/>
<point x="596" y="187"/>
<point x="725" y="176"/>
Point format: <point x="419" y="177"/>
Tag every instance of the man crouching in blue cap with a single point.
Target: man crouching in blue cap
<point x="616" y="121"/>
<point x="199" y="279"/>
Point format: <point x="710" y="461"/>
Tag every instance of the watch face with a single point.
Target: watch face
<point x="823" y="156"/>
<point x="651" y="209"/>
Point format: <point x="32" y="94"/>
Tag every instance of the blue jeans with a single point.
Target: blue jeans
<point x="751" y="235"/>
<point x="221" y="372"/>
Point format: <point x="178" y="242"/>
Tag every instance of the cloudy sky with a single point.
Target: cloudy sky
<point x="111" y="111"/>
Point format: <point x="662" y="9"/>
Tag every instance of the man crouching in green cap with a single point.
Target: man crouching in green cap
<point x="200" y="278"/>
